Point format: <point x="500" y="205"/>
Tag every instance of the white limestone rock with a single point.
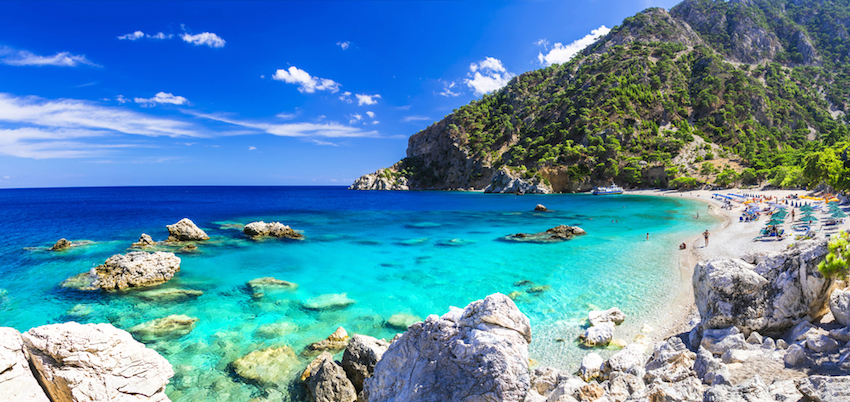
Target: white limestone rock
<point x="508" y="180"/>
<point x="145" y="240"/>
<point x="825" y="388"/>
<point x="629" y="360"/>
<point x="123" y="271"/>
<point x="360" y="357"/>
<point x="274" y="229"/>
<point x="613" y="314"/>
<point x="95" y="362"/>
<point x="752" y="390"/>
<point x="382" y="179"/>
<point x="821" y="343"/>
<point x="598" y="335"/>
<point x="17" y="383"/>
<point x="480" y="353"/>
<point x="719" y="341"/>
<point x="782" y="290"/>
<point x="620" y="386"/>
<point x="794" y="356"/>
<point x="671" y="362"/>
<point x="185" y="230"/>
<point x="839" y="304"/>
<point x="591" y="366"/>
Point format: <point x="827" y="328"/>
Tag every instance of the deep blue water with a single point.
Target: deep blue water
<point x="415" y="253"/>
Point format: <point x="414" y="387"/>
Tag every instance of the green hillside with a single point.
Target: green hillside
<point x="717" y="92"/>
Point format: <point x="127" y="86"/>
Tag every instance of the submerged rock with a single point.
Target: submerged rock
<point x="402" y="321"/>
<point x="336" y="341"/>
<point x="171" y="327"/>
<point x="17" y="381"/>
<point x="479" y="353"/>
<point x="169" y="295"/>
<point x="123" y="271"/>
<point x="774" y="295"/>
<point x="360" y="357"/>
<point x="95" y="362"/>
<point x="144" y="241"/>
<point x="327" y="382"/>
<point x="185" y="230"/>
<point x="274" y="229"/>
<point x="329" y="302"/>
<point x="271" y="366"/>
<point x="260" y="286"/>
<point x="61" y="244"/>
<point x="556" y="234"/>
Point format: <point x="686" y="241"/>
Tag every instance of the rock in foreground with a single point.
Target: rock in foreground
<point x="17" y="382"/>
<point x="479" y="353"/>
<point x="327" y="382"/>
<point x="556" y="234"/>
<point x="274" y="229"/>
<point x="95" y="362"/>
<point x="123" y="271"/>
<point x="185" y="230"/>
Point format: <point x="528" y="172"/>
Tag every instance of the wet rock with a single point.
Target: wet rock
<point x="326" y="381"/>
<point x="839" y="304"/>
<point x="556" y="234"/>
<point x="171" y="327"/>
<point x="259" y="287"/>
<point x="144" y="241"/>
<point x="274" y="229"/>
<point x="591" y="367"/>
<point x="540" y="207"/>
<point x="360" y="357"/>
<point x="61" y="244"/>
<point x="598" y="335"/>
<point x="613" y="315"/>
<point x="335" y="342"/>
<point x="782" y="290"/>
<point x="185" y="230"/>
<point x="479" y="353"/>
<point x="95" y="362"/>
<point x="169" y="294"/>
<point x="402" y="321"/>
<point x="270" y="366"/>
<point x="820" y="388"/>
<point x="123" y="271"/>
<point x="17" y="382"/>
<point x="329" y="302"/>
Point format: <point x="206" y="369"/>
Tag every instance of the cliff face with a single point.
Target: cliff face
<point x="747" y="77"/>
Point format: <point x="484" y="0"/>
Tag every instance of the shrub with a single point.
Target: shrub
<point x="835" y="263"/>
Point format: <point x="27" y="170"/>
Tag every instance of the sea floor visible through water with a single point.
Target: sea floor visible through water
<point x="367" y="256"/>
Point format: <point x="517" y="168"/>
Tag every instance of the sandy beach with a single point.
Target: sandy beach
<point x="733" y="239"/>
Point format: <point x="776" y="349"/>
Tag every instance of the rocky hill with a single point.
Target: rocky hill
<point x="711" y="91"/>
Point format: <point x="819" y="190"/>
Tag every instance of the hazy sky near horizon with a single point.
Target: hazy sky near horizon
<point x="257" y="93"/>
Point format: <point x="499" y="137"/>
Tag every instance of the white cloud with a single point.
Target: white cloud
<point x="487" y="75"/>
<point x="375" y="122"/>
<point x="370" y="114"/>
<point x="408" y="119"/>
<point x="355" y="118"/>
<point x="204" y="39"/>
<point x="325" y="143"/>
<point x="160" y="35"/>
<point x="40" y="143"/>
<point x="15" y="57"/>
<point x="363" y="99"/>
<point x="161" y="97"/>
<point x="543" y="42"/>
<point x="344" y="45"/>
<point x="132" y="36"/>
<point x="447" y="90"/>
<point x="306" y="82"/>
<point x="300" y="130"/>
<point x="252" y="148"/>
<point x="563" y="53"/>
<point x="121" y="99"/>
<point x="346" y="97"/>
<point x="286" y="116"/>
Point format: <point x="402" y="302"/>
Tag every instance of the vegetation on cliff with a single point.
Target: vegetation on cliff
<point x="735" y="92"/>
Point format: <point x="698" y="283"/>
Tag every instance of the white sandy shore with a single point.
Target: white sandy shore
<point x="733" y="239"/>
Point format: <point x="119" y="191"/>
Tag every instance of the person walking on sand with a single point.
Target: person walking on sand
<point x="705" y="234"/>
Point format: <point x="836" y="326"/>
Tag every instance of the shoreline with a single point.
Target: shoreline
<point x="732" y="239"/>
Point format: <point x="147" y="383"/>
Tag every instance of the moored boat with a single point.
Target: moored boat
<point x="613" y="189"/>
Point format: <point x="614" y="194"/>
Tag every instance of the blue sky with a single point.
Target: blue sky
<point x="265" y="93"/>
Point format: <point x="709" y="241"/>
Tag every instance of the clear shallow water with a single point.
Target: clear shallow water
<point x="392" y="252"/>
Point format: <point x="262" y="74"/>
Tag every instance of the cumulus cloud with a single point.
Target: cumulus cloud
<point x="561" y="53"/>
<point x="345" y="97"/>
<point x="132" y="36"/>
<point x="370" y="114"/>
<point x="487" y="75"/>
<point x="344" y="45"/>
<point x="161" y="97"/>
<point x="203" y="39"/>
<point x="363" y="99"/>
<point x="15" y="57"/>
<point x="160" y="35"/>
<point x="449" y="89"/>
<point x="121" y="99"/>
<point x="306" y="82"/>
<point x="355" y="118"/>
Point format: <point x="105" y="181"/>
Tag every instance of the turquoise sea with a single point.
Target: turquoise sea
<point x="416" y="253"/>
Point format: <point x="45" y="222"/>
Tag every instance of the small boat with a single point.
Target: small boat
<point x="613" y="189"/>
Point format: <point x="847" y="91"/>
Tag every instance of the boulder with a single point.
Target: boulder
<point x="144" y="241"/>
<point x="171" y="327"/>
<point x="123" y="271"/>
<point x="671" y="362"/>
<point x="336" y="341"/>
<point x="553" y="235"/>
<point x="613" y="314"/>
<point x="508" y="180"/>
<point x="794" y="356"/>
<point x="690" y="389"/>
<point x="839" y="304"/>
<point x="17" y="382"/>
<point x="752" y="390"/>
<point x="326" y="381"/>
<point x="540" y="207"/>
<point x="185" y="230"/>
<point x="821" y="343"/>
<point x="95" y="362"/>
<point x="820" y="388"/>
<point x="274" y="229"/>
<point x="479" y="353"/>
<point x="402" y="321"/>
<point x="719" y="341"/>
<point x="629" y="360"/>
<point x="782" y="290"/>
<point x="270" y="366"/>
<point x="360" y="357"/>
<point x="598" y="335"/>
<point x="622" y="385"/>
<point x="61" y="244"/>
<point x="591" y="366"/>
<point x="549" y="384"/>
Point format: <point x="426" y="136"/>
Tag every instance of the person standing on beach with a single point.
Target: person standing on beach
<point x="647" y="236"/>
<point x="705" y="234"/>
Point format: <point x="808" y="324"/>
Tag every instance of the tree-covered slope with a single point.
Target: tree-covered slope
<point x="713" y="90"/>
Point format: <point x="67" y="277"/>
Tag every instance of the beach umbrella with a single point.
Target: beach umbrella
<point x="838" y="214"/>
<point x="808" y="218"/>
<point x="780" y="214"/>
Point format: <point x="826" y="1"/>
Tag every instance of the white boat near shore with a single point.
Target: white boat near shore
<point x="613" y="189"/>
